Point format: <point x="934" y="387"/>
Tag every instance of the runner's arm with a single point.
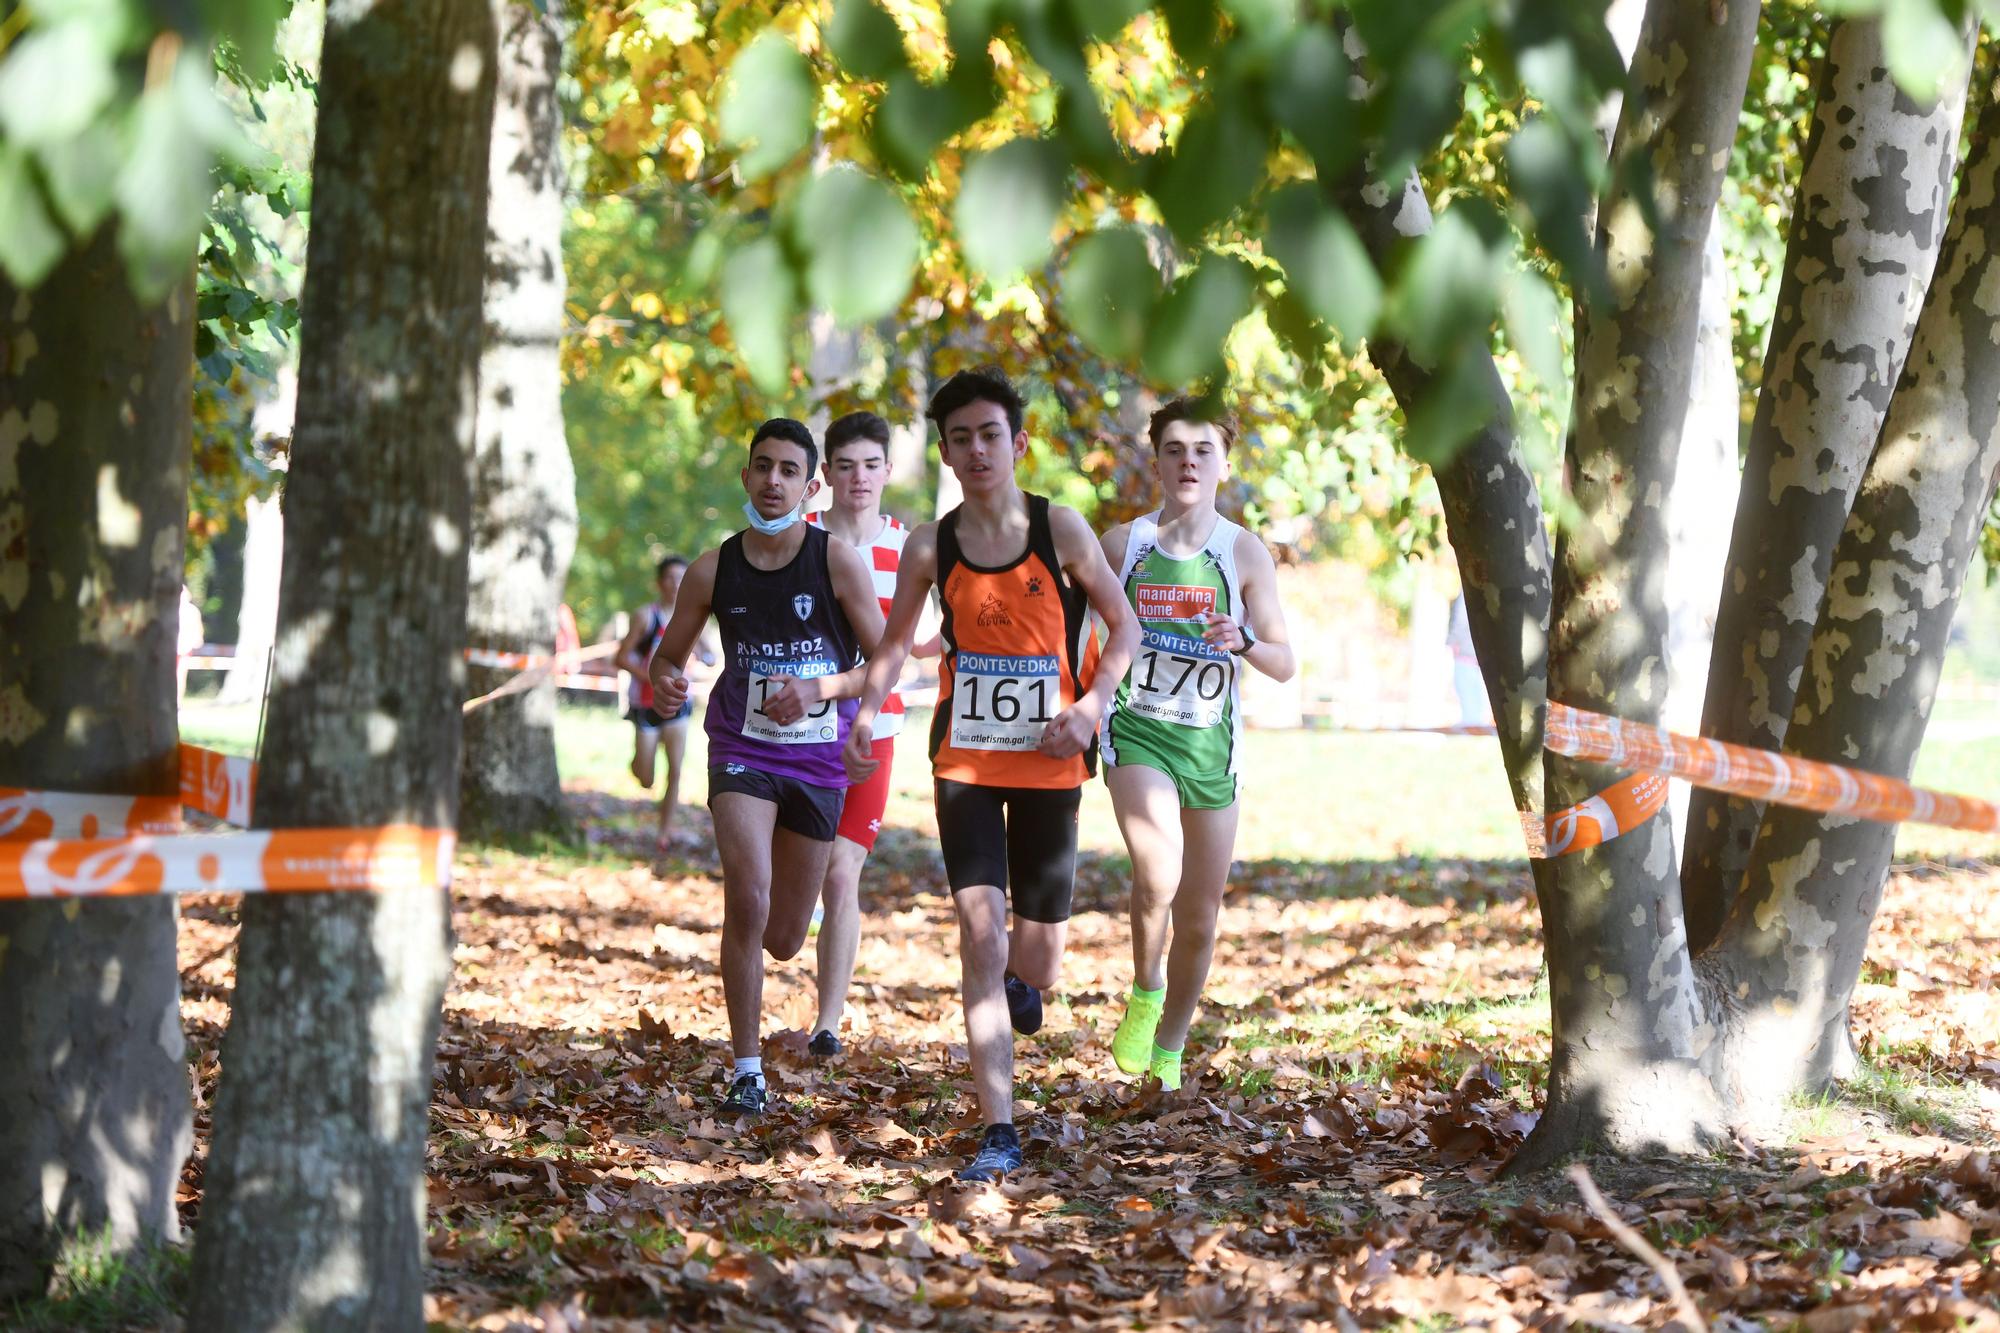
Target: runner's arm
<point x="1271" y="646"/>
<point x="1083" y="560"/>
<point x="691" y="607"/>
<point x="628" y="657"/>
<point x="914" y="576"/>
<point x="855" y="591"/>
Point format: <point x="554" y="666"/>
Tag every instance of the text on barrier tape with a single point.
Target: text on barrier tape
<point x="1760" y="775"/>
<point x="398" y="856"/>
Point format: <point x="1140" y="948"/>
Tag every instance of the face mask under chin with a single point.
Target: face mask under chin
<point x="770" y="527"/>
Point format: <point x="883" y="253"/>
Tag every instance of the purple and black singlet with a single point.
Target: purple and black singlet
<point x="777" y="623"/>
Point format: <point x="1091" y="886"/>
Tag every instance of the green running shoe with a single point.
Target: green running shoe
<point x="1132" y="1044"/>
<point x="1166" y="1067"/>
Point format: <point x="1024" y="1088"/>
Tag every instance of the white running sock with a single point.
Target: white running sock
<point x="752" y="1065"/>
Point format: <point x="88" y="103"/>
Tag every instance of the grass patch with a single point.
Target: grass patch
<point x="96" y="1286"/>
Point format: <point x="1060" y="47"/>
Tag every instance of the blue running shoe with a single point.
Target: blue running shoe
<point x="999" y="1153"/>
<point x="1024" y="1006"/>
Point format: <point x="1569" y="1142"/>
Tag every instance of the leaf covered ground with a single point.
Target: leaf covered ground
<point x="1368" y="1056"/>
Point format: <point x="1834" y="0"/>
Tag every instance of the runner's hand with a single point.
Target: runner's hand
<point x="858" y="753"/>
<point x="1069" y="733"/>
<point x="789" y="702"/>
<point x="670" y="689"/>
<point x="1223" y="632"/>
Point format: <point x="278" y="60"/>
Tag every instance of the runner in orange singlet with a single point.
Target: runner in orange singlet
<point x="1021" y="688"/>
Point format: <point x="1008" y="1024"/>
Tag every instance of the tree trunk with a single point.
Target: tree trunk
<point x="1493" y="517"/>
<point x="94" y="449"/>
<point x="524" y="487"/>
<point x="1791" y="949"/>
<point x="1623" y="1071"/>
<point x="1866" y="225"/>
<point x="1705" y="470"/>
<point x="313" y="1215"/>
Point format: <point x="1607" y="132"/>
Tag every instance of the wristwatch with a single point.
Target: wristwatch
<point x="1248" y="641"/>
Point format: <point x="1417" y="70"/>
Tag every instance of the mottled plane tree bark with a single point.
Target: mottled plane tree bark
<point x="313" y="1212"/>
<point x="1781" y="974"/>
<point x="1493" y="518"/>
<point x="1867" y="220"/>
<point x="524" y="486"/>
<point x="1624" y="1069"/>
<point x="94" y="454"/>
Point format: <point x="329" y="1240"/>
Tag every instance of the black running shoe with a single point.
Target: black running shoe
<point x="824" y="1044"/>
<point x="746" y="1096"/>
<point x="999" y="1153"/>
<point x="1024" y="1006"/>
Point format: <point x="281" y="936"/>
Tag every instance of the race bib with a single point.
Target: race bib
<point x="1002" y="703"/>
<point x="819" y="725"/>
<point x="1180" y="680"/>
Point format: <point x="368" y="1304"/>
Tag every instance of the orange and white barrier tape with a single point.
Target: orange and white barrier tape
<point x="217" y="784"/>
<point x="399" y="856"/>
<point x="489" y="657"/>
<point x="1760" y="775"/>
<point x="26" y="815"/>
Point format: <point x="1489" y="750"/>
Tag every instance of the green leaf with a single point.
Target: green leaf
<point x="1923" y="47"/>
<point x="759" y="298"/>
<point x="1544" y="168"/>
<point x="1101" y="20"/>
<point x="1534" y="324"/>
<point x="1458" y="406"/>
<point x="1326" y="265"/>
<point x="1217" y="162"/>
<point x="767" y="107"/>
<point x="862" y="243"/>
<point x="1007" y="205"/>
<point x="30" y="243"/>
<point x="251" y="26"/>
<point x="1185" y="342"/>
<point x="1446" y="291"/>
<point x="1109" y="291"/>
<point x="1306" y="95"/>
<point x="81" y="175"/>
<point x="912" y="118"/>
<point x="1191" y="25"/>
<point x="54" y="82"/>
<point x="864" y="39"/>
<point x="164" y="187"/>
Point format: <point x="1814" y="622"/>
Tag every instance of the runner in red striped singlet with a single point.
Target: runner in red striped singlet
<point x="857" y="470"/>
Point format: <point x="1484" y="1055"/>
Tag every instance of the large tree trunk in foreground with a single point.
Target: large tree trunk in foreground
<point x="524" y="487"/>
<point x="1866" y="224"/>
<point x="1705" y="475"/>
<point x="1791" y="950"/>
<point x="1623" y="1071"/>
<point x="94" y="441"/>
<point x="313" y="1215"/>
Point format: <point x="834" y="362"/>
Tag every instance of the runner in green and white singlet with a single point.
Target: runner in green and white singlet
<point x="1206" y="595"/>
<point x="1178" y="709"/>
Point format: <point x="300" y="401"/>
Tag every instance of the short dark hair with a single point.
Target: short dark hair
<point x="784" y="428"/>
<point x="667" y="562"/>
<point x="981" y="384"/>
<point x="1185" y="408"/>
<point x="853" y="427"/>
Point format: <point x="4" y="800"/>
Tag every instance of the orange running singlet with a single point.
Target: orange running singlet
<point x="1017" y="651"/>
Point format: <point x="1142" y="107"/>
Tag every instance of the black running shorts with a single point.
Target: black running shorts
<point x="1022" y="840"/>
<point x="807" y="810"/>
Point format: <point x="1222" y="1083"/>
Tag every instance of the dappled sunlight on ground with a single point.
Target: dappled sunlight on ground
<point x="1367" y="1059"/>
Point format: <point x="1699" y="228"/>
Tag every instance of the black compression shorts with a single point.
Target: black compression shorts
<point x="1022" y="840"/>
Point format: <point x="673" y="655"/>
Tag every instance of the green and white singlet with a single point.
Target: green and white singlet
<point x="1178" y="709"/>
